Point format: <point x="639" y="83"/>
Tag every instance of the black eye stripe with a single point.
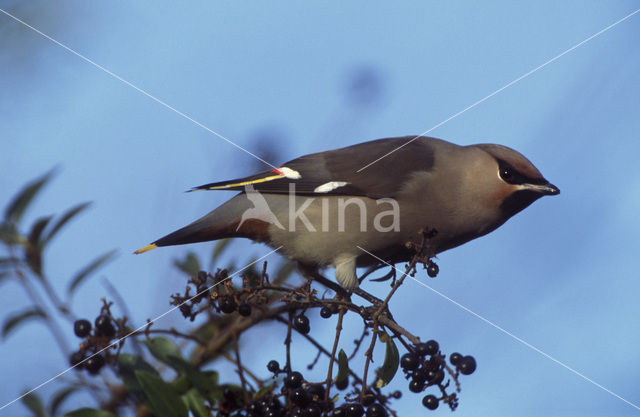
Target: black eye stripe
<point x="511" y="175"/>
<point x="508" y="173"/>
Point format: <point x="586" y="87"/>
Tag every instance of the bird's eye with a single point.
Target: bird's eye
<point x="506" y="173"/>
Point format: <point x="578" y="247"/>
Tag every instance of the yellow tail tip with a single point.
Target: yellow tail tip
<point x="146" y="249"/>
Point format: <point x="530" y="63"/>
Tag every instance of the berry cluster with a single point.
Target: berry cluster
<point x="425" y="366"/>
<point x="227" y="304"/>
<point x="187" y="302"/>
<point x="97" y="338"/>
<point x="227" y="299"/>
<point x="368" y="408"/>
<point x="300" y="398"/>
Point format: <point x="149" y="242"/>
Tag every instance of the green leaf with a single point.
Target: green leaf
<point x="17" y="319"/>
<point x="10" y="235"/>
<point x="391" y="361"/>
<point x="68" y="215"/>
<point x="219" y="248"/>
<point x="164" y="401"/>
<point x="58" y="398"/>
<point x="195" y="403"/>
<point x="190" y="265"/>
<point x="162" y="348"/>
<point x="85" y="272"/>
<point x="89" y="412"/>
<point x="37" y="229"/>
<point x="204" y="381"/>
<point x="127" y="365"/>
<point x="14" y="211"/>
<point x="343" y="366"/>
<point x="33" y="251"/>
<point x="263" y="391"/>
<point x="34" y="404"/>
<point x="181" y="384"/>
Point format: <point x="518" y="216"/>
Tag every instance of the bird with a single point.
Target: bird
<point x="354" y="206"/>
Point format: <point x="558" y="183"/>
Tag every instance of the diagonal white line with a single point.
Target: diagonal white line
<point x="119" y="78"/>
<point x="508" y="333"/>
<point x="137" y="330"/>
<point x="525" y="75"/>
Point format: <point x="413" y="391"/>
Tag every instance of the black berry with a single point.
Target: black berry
<point x="455" y="358"/>
<point x="273" y="366"/>
<point x="429" y="348"/>
<point x="269" y="411"/>
<point x="244" y="309"/>
<point x="316" y="391"/>
<point x="397" y="394"/>
<point x="312" y="410"/>
<point x="409" y="361"/>
<point x="76" y="358"/>
<point x="299" y="396"/>
<point x="368" y="399"/>
<point x="436" y="377"/>
<point x="228" y="393"/>
<point x="301" y="324"/>
<point x="272" y="404"/>
<point x="227" y="305"/>
<point x="82" y="327"/>
<point x="94" y="364"/>
<point x="416" y="385"/>
<point x="422" y="374"/>
<point x="338" y="412"/>
<point x="376" y="410"/>
<point x="430" y="401"/>
<point x="104" y="327"/>
<point x="467" y="365"/>
<point x="354" y="410"/>
<point x="325" y="312"/>
<point x="293" y="380"/>
<point x="432" y="269"/>
<point x="254" y="408"/>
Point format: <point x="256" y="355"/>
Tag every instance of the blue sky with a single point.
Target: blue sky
<point x="562" y="275"/>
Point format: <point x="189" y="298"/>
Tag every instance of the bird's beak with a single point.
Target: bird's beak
<point x="544" y="189"/>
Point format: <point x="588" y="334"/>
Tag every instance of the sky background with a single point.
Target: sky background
<point x="289" y="78"/>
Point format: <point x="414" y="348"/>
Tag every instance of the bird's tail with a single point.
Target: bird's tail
<point x="223" y="222"/>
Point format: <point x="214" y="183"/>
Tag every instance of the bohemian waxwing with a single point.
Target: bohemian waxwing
<point x="324" y="209"/>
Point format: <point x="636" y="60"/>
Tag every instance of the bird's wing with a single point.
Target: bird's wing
<point x="339" y="171"/>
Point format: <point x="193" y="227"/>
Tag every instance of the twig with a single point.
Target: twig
<point x="358" y="342"/>
<point x="320" y="348"/>
<point x="315" y="361"/>
<point x="287" y="343"/>
<point x="333" y="353"/>
<point x="369" y="356"/>
<point x="396" y="329"/>
<point x="243" y="382"/>
<point x="39" y="303"/>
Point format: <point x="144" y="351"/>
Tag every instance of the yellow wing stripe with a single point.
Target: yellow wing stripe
<point x="146" y="249"/>
<point x="240" y="184"/>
